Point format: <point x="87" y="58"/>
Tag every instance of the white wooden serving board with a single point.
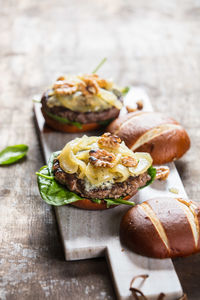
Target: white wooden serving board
<point x="89" y="234"/>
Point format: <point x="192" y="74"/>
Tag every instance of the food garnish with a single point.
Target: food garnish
<point x="162" y="172"/>
<point x="13" y="154"/>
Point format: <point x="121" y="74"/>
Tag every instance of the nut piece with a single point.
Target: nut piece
<point x="129" y="161"/>
<point x="162" y="172"/>
<point x="107" y="140"/>
<point x="102" y="83"/>
<point x="139" y="106"/>
<point x="131" y="109"/>
<point x="101" y="158"/>
<point x="64" y="87"/>
<point x="88" y="87"/>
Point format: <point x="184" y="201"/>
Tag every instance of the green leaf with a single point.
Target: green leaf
<point x="118" y="202"/>
<point x="106" y="122"/>
<point x="99" y="65"/>
<point x="152" y="172"/>
<point x="50" y="161"/>
<point x="125" y="90"/>
<point x="53" y="192"/>
<point x="12" y="154"/>
<point x="63" y="120"/>
<point x="96" y="201"/>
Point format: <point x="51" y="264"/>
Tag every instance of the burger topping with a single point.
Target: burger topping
<point x="101" y="158"/>
<point x="99" y="162"/>
<point x="107" y="140"/>
<point x="162" y="172"/>
<point x="64" y="87"/>
<point x="129" y="161"/>
<point x="84" y="93"/>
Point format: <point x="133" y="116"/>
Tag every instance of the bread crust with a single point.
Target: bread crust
<point x="66" y="127"/>
<point x="167" y="146"/>
<point x="138" y="232"/>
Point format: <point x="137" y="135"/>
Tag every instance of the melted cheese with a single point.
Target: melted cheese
<point x="74" y="158"/>
<point x="77" y="101"/>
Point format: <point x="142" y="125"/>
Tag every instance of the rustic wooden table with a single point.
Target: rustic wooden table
<point x="154" y="44"/>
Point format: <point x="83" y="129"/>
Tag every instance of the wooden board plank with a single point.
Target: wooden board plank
<point x="87" y="234"/>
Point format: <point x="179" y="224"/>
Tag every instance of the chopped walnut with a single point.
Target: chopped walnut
<point x="60" y="78"/>
<point x="102" y="83"/>
<point x="162" y="172"/>
<point x="129" y="161"/>
<point x="64" y="87"/>
<point x="131" y="109"/>
<point x="107" y="140"/>
<point x="139" y="106"/>
<point x="88" y="87"/>
<point x="101" y="158"/>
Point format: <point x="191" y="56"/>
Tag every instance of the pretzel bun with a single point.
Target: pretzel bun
<point x="161" y="136"/>
<point x="162" y="228"/>
<point x="56" y="125"/>
<point x="90" y="205"/>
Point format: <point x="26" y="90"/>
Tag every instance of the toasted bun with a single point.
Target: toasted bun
<point x="89" y="205"/>
<point x="163" y="137"/>
<point x="66" y="127"/>
<point x="162" y="227"/>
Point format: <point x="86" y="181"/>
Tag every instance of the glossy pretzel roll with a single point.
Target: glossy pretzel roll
<point x="163" y="137"/>
<point x="162" y="228"/>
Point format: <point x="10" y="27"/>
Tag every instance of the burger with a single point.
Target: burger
<point x="81" y="103"/>
<point x="95" y="173"/>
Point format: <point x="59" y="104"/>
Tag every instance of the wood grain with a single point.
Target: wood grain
<point x="154" y="44"/>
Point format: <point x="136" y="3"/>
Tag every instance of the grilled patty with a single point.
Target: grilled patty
<point x="119" y="189"/>
<point x="84" y="118"/>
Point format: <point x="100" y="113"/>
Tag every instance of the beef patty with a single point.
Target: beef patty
<point x="118" y="189"/>
<point x="84" y="118"/>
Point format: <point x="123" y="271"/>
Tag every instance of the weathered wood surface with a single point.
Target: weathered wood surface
<point x="154" y="44"/>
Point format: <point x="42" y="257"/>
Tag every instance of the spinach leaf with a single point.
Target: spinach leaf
<point x="118" y="201"/>
<point x="51" y="159"/>
<point x="63" y="120"/>
<point x="152" y="172"/>
<point x="12" y="154"/>
<point x="53" y="192"/>
<point x="106" y="122"/>
<point x="125" y="90"/>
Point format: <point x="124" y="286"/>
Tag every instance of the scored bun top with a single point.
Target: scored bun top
<point x="161" y="136"/>
<point x="162" y="227"/>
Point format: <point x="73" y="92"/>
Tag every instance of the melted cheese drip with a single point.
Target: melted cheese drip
<point x="74" y="158"/>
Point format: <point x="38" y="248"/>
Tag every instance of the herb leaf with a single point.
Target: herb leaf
<point x="125" y="90"/>
<point x="99" y="65"/>
<point x="52" y="192"/>
<point x="118" y="201"/>
<point x="50" y="161"/>
<point x="106" y="122"/>
<point x="152" y="172"/>
<point x="63" y="120"/>
<point x="12" y="154"/>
